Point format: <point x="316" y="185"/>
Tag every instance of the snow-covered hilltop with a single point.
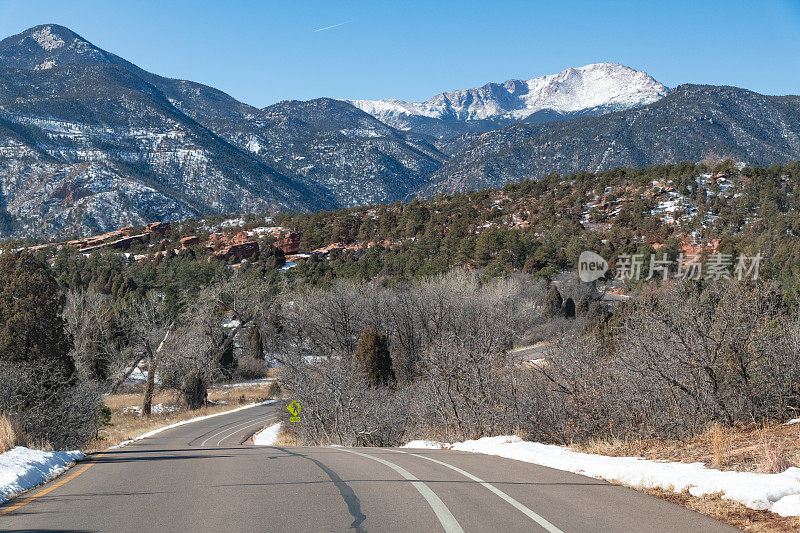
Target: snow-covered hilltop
<point x="593" y="89"/>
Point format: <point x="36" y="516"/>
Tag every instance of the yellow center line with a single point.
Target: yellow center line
<point x="53" y="487"/>
<point x="87" y="466"/>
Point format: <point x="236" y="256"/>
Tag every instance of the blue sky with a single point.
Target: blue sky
<point x="263" y="52"/>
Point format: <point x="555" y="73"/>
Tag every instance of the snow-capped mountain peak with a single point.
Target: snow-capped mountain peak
<point x="593" y="88"/>
<point x="50" y="45"/>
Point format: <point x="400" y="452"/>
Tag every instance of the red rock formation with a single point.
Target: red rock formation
<point x="158" y="227"/>
<point x="289" y="244"/>
<point x="191" y="240"/>
<point x="240" y="238"/>
<point x="240" y="251"/>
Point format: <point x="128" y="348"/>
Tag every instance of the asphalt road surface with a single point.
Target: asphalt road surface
<point x="199" y="477"/>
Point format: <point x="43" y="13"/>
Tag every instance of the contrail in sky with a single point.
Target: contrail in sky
<point x="329" y="27"/>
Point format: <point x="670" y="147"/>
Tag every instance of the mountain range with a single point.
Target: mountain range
<point x="591" y="90"/>
<point x="89" y="141"/>
<point x="692" y="123"/>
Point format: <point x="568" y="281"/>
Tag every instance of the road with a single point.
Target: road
<point x="199" y="477"/>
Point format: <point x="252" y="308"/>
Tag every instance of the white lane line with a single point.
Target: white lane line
<point x="446" y="518"/>
<point x="530" y="514"/>
<point x="235" y="431"/>
<point x="231" y="427"/>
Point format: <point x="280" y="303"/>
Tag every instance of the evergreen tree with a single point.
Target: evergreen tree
<point x="254" y="348"/>
<point x="569" y="308"/>
<point x="597" y="316"/>
<point x="374" y="358"/>
<point x="553" y="303"/>
<point x="31" y="323"/>
<point x="38" y="383"/>
<point x="228" y="362"/>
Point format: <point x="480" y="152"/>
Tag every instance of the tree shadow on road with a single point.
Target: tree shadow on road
<point x="348" y="495"/>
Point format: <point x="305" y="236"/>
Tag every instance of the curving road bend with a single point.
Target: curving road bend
<point x="200" y="477"/>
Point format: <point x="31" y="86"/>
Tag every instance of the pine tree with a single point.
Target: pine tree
<point x="228" y="362"/>
<point x="374" y="358"/>
<point x="76" y="280"/>
<point x="254" y="347"/>
<point x="569" y="308"/>
<point x="597" y="315"/>
<point x="553" y="303"/>
<point x="31" y="304"/>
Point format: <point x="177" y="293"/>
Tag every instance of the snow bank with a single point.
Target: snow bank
<point x="429" y="444"/>
<point x="22" y="469"/>
<point x="779" y="493"/>
<point x="157" y="409"/>
<point x="189" y="421"/>
<point x="268" y="435"/>
<point x="260" y="382"/>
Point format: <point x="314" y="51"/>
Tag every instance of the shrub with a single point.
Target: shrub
<point x="774" y="459"/>
<point x="250" y="368"/>
<point x="274" y="390"/>
<point x="569" y="308"/>
<point x="553" y="303"/>
<point x="373" y="357"/>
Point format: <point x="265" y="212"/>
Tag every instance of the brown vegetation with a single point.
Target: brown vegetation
<point x="748" y="448"/>
<point x="730" y="512"/>
<point x="11" y="433"/>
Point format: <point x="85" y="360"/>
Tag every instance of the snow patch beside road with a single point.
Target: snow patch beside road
<point x="259" y="382"/>
<point x="22" y="469"/>
<point x="267" y="436"/>
<point x="157" y="408"/>
<point x="779" y="493"/>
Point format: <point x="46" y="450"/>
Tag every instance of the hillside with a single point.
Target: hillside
<point x="537" y="227"/>
<point x="692" y="123"/>
<point x="91" y="142"/>
<point x="355" y="158"/>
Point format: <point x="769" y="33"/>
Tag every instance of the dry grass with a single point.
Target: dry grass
<point x="774" y="459"/>
<point x="755" y="448"/>
<point x="287" y="438"/>
<point x="730" y="512"/>
<point x="243" y="394"/>
<point x="127" y="424"/>
<point x="721" y="444"/>
<point x="742" y="448"/>
<point x="11" y="434"/>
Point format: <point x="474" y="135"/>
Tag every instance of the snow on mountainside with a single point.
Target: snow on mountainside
<point x="692" y="123"/>
<point x="600" y="86"/>
<point x="90" y="142"/>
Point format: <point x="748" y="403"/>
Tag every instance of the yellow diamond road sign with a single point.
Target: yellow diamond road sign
<point x="294" y="410"/>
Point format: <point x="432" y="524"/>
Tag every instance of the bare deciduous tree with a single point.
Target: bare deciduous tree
<point x="208" y="331"/>
<point x="149" y="325"/>
<point x="99" y="350"/>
